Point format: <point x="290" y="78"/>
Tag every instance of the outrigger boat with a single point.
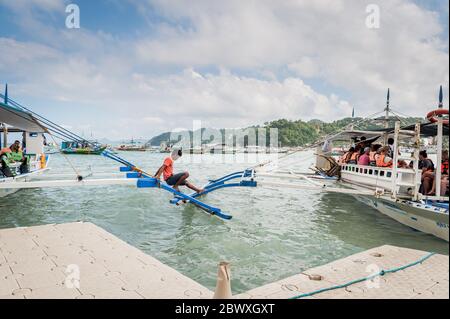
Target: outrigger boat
<point x="16" y="120"/>
<point x="131" y="147"/>
<point x="396" y="191"/>
<point x="81" y="148"/>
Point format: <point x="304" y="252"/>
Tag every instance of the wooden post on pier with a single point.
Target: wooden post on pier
<point x="223" y="286"/>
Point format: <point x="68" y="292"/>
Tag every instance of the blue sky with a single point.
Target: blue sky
<point x="139" y="67"/>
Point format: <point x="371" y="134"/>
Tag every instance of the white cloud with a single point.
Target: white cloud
<point x="48" y="5"/>
<point x="324" y="39"/>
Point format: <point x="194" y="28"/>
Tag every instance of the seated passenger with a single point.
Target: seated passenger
<point x="346" y="157"/>
<point x="5" y="160"/>
<point x="355" y="155"/>
<point x="383" y="159"/>
<point x="391" y="147"/>
<point x="374" y="154"/>
<point x="444" y="176"/>
<point x="427" y="167"/>
<point x="16" y="153"/>
<point x="364" y="159"/>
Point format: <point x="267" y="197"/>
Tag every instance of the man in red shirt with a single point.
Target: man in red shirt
<point x="178" y="179"/>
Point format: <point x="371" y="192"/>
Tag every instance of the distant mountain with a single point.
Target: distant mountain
<point x="299" y="133"/>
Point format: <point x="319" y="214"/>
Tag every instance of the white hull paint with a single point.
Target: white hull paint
<point x="20" y="178"/>
<point x="423" y="218"/>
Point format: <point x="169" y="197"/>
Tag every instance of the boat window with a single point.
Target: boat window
<point x="365" y="171"/>
<point x="381" y="173"/>
<point x="353" y="168"/>
<point x="389" y="174"/>
<point x="370" y="171"/>
<point x="357" y="170"/>
<point x="376" y="172"/>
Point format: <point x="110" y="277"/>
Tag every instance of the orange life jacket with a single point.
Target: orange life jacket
<point x="343" y="158"/>
<point x="372" y="156"/>
<point x="5" y="150"/>
<point x="381" y="163"/>
<point x="354" y="157"/>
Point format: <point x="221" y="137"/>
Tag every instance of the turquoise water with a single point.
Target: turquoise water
<point x="274" y="233"/>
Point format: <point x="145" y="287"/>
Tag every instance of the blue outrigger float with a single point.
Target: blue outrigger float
<point x="146" y="180"/>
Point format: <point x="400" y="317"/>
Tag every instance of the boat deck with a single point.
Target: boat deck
<point x="49" y="261"/>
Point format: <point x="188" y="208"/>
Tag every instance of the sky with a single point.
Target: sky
<point x="136" y="68"/>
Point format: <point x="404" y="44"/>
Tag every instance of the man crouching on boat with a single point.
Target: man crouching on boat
<point x="178" y="179"/>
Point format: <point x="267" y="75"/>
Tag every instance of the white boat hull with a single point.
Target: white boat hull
<point x="20" y="178"/>
<point x="423" y="218"/>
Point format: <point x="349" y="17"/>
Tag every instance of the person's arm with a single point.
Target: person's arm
<point x="160" y="171"/>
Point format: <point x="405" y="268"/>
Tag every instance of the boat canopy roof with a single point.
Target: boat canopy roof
<point x="19" y="119"/>
<point x="426" y="130"/>
<point x="356" y="135"/>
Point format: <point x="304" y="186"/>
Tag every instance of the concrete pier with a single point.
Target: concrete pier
<point x="81" y="260"/>
<point x="429" y="279"/>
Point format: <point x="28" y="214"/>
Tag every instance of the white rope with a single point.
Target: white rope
<point x="64" y="155"/>
<point x="67" y="183"/>
<point x="323" y="188"/>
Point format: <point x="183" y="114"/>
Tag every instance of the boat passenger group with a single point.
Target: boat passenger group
<point x="367" y="154"/>
<point x="14" y="160"/>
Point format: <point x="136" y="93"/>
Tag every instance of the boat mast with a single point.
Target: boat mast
<point x="387" y="110"/>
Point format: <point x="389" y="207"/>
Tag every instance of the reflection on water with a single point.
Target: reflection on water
<point x="274" y="233"/>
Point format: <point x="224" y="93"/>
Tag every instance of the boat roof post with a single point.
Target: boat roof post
<point x="395" y="160"/>
<point x="440" y="123"/>
<point x="5" y="135"/>
<point x="418" y="175"/>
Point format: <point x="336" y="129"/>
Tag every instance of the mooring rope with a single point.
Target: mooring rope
<point x="380" y="273"/>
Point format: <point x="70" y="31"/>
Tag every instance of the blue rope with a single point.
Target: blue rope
<point x="381" y="273"/>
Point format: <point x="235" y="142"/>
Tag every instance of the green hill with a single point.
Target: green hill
<point x="300" y="133"/>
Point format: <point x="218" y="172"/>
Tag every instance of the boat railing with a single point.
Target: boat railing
<point x="379" y="177"/>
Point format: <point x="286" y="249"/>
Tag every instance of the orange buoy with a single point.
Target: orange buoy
<point x="43" y="161"/>
<point x="432" y="116"/>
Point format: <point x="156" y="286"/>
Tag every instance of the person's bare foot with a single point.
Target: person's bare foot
<point x="200" y="191"/>
<point x="176" y="188"/>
